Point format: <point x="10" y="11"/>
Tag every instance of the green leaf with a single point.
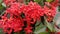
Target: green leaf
<point x="37" y="0"/>
<point x="21" y="32"/>
<point x="40" y="28"/>
<point x="59" y="8"/>
<point x="4" y="5"/>
<point x="15" y="33"/>
<point x="1" y="31"/>
<point x="41" y="2"/>
<point x="0" y="1"/>
<point x="50" y="26"/>
<point x="44" y="33"/>
<point x="1" y="7"/>
<point x="49" y="0"/>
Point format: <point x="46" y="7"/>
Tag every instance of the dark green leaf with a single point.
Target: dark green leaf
<point x="59" y="8"/>
<point x="41" y="2"/>
<point x="1" y="7"/>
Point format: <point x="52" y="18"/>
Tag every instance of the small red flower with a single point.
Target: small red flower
<point x="58" y="32"/>
<point x="28" y="29"/>
<point x="8" y="2"/>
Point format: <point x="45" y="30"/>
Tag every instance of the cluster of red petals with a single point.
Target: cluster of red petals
<point x="14" y="9"/>
<point x="55" y="3"/>
<point x="50" y="11"/>
<point x="31" y="12"/>
<point x="8" y="2"/>
<point x="15" y="24"/>
<point x="58" y="33"/>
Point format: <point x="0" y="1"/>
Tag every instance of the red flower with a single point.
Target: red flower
<point x="58" y="33"/>
<point x="14" y="9"/>
<point x="49" y="11"/>
<point x="8" y="2"/>
<point x="55" y="3"/>
<point x="28" y="29"/>
<point x="20" y="13"/>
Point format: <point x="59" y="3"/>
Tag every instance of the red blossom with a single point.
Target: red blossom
<point x="20" y="13"/>
<point x="55" y="3"/>
<point x="49" y="12"/>
<point x="28" y="29"/>
<point x="58" y="33"/>
<point x="8" y="2"/>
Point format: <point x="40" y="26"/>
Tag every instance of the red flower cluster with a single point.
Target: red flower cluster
<point x="55" y="3"/>
<point x="15" y="24"/>
<point x="19" y="15"/>
<point x="8" y="2"/>
<point x="23" y="17"/>
<point x="50" y="9"/>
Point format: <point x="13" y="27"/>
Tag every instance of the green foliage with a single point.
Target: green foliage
<point x="37" y="0"/>
<point x="44" y="33"/>
<point x="1" y="31"/>
<point x="1" y="7"/>
<point x="0" y="1"/>
<point x="49" y="0"/>
<point x="50" y="27"/>
<point x="41" y="2"/>
<point x="59" y="8"/>
<point x="39" y="28"/>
